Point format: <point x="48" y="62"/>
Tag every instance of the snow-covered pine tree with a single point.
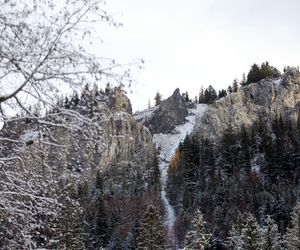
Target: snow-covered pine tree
<point x="151" y="235"/>
<point x="69" y="226"/>
<point x="270" y="235"/>
<point x="235" y="239"/>
<point x="197" y="237"/>
<point x="251" y="234"/>
<point x="292" y="237"/>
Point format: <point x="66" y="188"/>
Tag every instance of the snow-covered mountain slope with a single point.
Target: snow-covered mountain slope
<point x="167" y="144"/>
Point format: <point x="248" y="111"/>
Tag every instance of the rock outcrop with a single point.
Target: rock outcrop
<point x="266" y="99"/>
<point x="163" y="119"/>
<point x="119" y="101"/>
<point x="98" y="133"/>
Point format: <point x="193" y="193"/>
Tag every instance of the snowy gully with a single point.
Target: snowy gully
<point x="167" y="144"/>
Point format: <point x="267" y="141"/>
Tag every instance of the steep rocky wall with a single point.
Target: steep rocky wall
<point x="267" y="99"/>
<point x="170" y="113"/>
<point x="101" y="133"/>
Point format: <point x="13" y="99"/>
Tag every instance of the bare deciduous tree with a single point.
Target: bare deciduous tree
<point x="43" y="50"/>
<point x="43" y="47"/>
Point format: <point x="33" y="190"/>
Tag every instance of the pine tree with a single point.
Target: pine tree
<point x="251" y="234"/>
<point x="74" y="100"/>
<point x="149" y="104"/>
<point x="222" y="93"/>
<point x="244" y="80"/>
<point x="107" y="88"/>
<point x="244" y="156"/>
<point x="235" y="239"/>
<point x="157" y="98"/>
<point x="235" y="85"/>
<point x="210" y="95"/>
<point x="253" y="75"/>
<point x="187" y="99"/>
<point x="201" y="95"/>
<point x="197" y="237"/>
<point x="270" y="235"/>
<point x="69" y="230"/>
<point x="229" y="151"/>
<point x="257" y="73"/>
<point x="292" y="237"/>
<point x="101" y="226"/>
<point x="151" y="235"/>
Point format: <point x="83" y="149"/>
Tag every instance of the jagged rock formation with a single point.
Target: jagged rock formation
<point x="267" y="99"/>
<point x="170" y="113"/>
<point x="119" y="101"/>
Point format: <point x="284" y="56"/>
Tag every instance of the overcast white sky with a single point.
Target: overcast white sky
<point x="191" y="43"/>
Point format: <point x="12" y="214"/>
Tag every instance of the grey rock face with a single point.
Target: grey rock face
<point x="104" y="135"/>
<point x="119" y="101"/>
<point x="170" y="113"/>
<point x="267" y="99"/>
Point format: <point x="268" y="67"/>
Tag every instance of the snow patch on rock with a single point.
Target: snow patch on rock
<point x="277" y="83"/>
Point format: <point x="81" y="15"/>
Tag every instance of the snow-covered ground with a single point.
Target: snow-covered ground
<point x="168" y="143"/>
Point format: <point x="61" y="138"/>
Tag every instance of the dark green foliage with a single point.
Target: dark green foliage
<point x="197" y="238"/>
<point x="271" y="238"/>
<point x="210" y="95"/>
<point x="252" y="171"/>
<point x="254" y="74"/>
<point x="235" y="85"/>
<point x="244" y="154"/>
<point x="257" y="73"/>
<point x="251" y="234"/>
<point x="186" y="96"/>
<point x="244" y="80"/>
<point x="157" y="98"/>
<point x="151" y="235"/>
<point x="229" y="90"/>
<point x="266" y="70"/>
<point x="113" y="204"/>
<point x="201" y="95"/>
<point x="101" y="231"/>
<point x="229" y="157"/>
<point x="222" y="93"/>
<point x="70" y="233"/>
<point x="292" y="236"/>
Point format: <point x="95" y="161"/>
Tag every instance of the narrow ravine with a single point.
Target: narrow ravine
<point x="167" y="143"/>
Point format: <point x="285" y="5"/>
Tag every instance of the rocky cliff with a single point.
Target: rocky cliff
<point x="164" y="117"/>
<point x="266" y="99"/>
<point x="99" y="132"/>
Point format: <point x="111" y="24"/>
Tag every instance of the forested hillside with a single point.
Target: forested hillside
<point x="246" y="186"/>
